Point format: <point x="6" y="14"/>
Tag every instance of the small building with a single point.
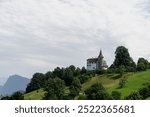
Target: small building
<point x="97" y="63"/>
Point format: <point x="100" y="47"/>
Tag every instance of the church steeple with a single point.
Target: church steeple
<point x="100" y="54"/>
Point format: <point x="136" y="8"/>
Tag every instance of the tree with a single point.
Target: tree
<point x="38" y="81"/>
<point x="75" y="87"/>
<point x="49" y="75"/>
<point x="57" y="72"/>
<point x="142" y="64"/>
<point x="96" y="92"/>
<point x="141" y="67"/>
<point x="77" y="71"/>
<point x="6" y="98"/>
<point x="121" y="70"/>
<point x="17" y="96"/>
<point x="72" y="68"/>
<point x="83" y="70"/>
<point x="68" y="76"/>
<point x="122" y="57"/>
<point x="54" y="89"/>
<point x="122" y="82"/>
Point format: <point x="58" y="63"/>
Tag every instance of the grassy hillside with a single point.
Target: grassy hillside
<point x="35" y="95"/>
<point x="110" y="82"/>
<point x="134" y="82"/>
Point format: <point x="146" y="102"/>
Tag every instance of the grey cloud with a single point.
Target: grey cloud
<point x="40" y="35"/>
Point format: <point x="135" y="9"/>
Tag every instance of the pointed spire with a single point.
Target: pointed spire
<point x="100" y="54"/>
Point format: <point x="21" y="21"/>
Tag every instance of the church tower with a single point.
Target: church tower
<point x="100" y="60"/>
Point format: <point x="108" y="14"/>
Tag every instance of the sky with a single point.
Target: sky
<point x="39" y="35"/>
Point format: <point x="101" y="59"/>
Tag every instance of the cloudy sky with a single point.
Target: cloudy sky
<point x="38" y="35"/>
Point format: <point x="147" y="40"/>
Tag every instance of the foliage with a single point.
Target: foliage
<point x="49" y="75"/>
<point x="83" y="70"/>
<point x="134" y="96"/>
<point x="68" y="76"/>
<point x="37" y="82"/>
<point x="142" y="64"/>
<point x="5" y="98"/>
<point x="116" y="95"/>
<point x="142" y="93"/>
<point x="83" y="78"/>
<point x="15" y="96"/>
<point x="121" y="70"/>
<point x="122" y="57"/>
<point x="96" y="92"/>
<point x="145" y="91"/>
<point x="54" y="89"/>
<point x="122" y="82"/>
<point x="75" y="87"/>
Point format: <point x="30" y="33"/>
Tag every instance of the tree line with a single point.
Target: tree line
<point x="65" y="83"/>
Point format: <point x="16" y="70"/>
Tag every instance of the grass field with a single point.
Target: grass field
<point x="134" y="82"/>
<point x="35" y="95"/>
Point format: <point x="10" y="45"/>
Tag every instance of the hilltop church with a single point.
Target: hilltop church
<point x="97" y="63"/>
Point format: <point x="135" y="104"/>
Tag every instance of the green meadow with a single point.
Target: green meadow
<point x="135" y="81"/>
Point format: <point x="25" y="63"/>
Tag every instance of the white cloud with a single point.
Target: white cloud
<point x="38" y="35"/>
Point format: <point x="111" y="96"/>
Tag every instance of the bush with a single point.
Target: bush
<point x="96" y="92"/>
<point x="122" y="82"/>
<point x="134" y="96"/>
<point x="145" y="91"/>
<point x="116" y="95"/>
<point x="15" y="96"/>
<point x="83" y="78"/>
<point x="141" y="67"/>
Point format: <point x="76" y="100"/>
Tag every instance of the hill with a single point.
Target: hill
<point x="13" y="84"/>
<point x="110" y="82"/>
<point x="134" y="82"/>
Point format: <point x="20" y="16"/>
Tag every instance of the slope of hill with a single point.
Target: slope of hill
<point x="13" y="84"/>
<point x="110" y="82"/>
<point x="134" y="82"/>
<point x="34" y="95"/>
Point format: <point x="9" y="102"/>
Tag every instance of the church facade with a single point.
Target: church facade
<point x="97" y="63"/>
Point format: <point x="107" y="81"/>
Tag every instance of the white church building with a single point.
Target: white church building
<point x="97" y="63"/>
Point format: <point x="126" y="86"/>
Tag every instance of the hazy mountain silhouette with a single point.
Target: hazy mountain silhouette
<point x="13" y="84"/>
<point x="0" y="88"/>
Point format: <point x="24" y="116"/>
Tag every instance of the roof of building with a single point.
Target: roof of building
<point x="100" y="54"/>
<point x="94" y="60"/>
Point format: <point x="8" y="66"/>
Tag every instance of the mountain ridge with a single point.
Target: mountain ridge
<point x="13" y="84"/>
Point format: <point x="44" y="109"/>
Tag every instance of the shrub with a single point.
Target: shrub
<point x="134" y="96"/>
<point x="116" y="95"/>
<point x="122" y="82"/>
<point x="96" y="92"/>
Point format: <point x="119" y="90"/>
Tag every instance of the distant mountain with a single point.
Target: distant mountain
<point x="0" y="88"/>
<point x="13" y="84"/>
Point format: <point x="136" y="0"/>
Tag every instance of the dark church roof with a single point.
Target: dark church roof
<point x="100" y="54"/>
<point x="92" y="60"/>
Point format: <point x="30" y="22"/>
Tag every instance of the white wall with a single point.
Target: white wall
<point x="91" y="66"/>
